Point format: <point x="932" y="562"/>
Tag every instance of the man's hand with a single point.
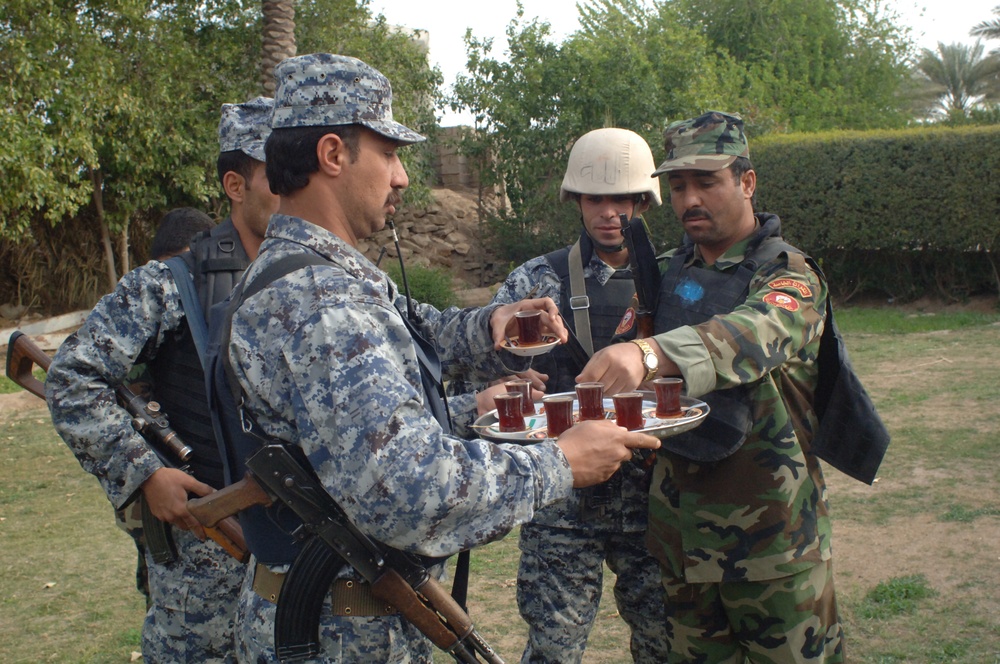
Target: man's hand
<point x="166" y="492"/>
<point x="619" y="367"/>
<point x="484" y="399"/>
<point x="596" y="449"/>
<point x="502" y="321"/>
<point x="537" y="378"/>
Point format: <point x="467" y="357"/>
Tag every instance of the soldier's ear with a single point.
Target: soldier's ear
<point x="748" y="181"/>
<point x="235" y="186"/>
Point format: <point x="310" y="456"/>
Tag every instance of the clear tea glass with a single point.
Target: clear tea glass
<point x="509" y="412"/>
<point x="522" y="386"/>
<point x="558" y="413"/>
<point x="668" y="396"/>
<point x="591" y="399"/>
<point x="628" y="410"/>
<point x="529" y="327"/>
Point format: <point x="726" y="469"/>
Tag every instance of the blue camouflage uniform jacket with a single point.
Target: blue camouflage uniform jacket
<point x="327" y="364"/>
<point x="627" y="494"/>
<point x="125" y="327"/>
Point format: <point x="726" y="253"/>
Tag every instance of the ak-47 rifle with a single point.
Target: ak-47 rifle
<point x="397" y="578"/>
<point x="642" y="262"/>
<point x="23" y="355"/>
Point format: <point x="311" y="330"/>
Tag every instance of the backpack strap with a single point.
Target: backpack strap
<point x="191" y="304"/>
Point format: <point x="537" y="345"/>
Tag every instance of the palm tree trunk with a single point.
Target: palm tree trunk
<point x="278" y="39"/>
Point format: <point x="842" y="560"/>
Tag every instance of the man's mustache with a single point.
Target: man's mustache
<point x="696" y="213"/>
<point x="395" y="199"/>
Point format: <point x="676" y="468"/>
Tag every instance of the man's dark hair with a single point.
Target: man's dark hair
<point x="177" y="227"/>
<point x="291" y="154"/>
<point x="237" y="161"/>
<point x="738" y="168"/>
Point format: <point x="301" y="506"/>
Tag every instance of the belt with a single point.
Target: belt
<point x="347" y="596"/>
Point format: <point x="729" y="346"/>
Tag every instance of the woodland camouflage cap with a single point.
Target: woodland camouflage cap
<point x="245" y="127"/>
<point x="709" y="142"/>
<point x="324" y="90"/>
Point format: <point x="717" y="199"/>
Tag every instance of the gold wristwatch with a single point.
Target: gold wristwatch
<point x="649" y="359"/>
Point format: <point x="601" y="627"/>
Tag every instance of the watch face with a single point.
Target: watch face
<point x="650" y="361"/>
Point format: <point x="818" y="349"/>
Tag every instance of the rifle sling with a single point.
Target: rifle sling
<point x="578" y="294"/>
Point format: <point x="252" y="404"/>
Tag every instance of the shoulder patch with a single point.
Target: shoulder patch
<point x="627" y="321"/>
<point x="781" y="300"/>
<point x="802" y="288"/>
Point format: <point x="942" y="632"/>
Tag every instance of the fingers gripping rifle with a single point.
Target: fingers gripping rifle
<point x="396" y="578"/>
<point x="23" y="355"/>
<point x="645" y="274"/>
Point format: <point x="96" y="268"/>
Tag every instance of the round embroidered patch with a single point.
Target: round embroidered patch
<point x="781" y="300"/>
<point x="627" y="321"/>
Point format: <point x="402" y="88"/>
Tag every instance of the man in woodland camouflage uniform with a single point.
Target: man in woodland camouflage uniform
<point x="565" y="547"/>
<point x="738" y="512"/>
<point x="193" y="597"/>
<point x="329" y="363"/>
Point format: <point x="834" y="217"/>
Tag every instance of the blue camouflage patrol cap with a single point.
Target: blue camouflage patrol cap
<point x="324" y="90"/>
<point x="245" y="127"/>
<point x="710" y="142"/>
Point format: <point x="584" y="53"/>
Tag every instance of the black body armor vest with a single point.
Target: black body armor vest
<point x="216" y="260"/>
<point x="691" y="295"/>
<point x="608" y="304"/>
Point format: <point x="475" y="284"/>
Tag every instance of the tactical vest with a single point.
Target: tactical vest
<point x="691" y="295"/>
<point x="608" y="304"/>
<point x="268" y="531"/>
<point x="216" y="260"/>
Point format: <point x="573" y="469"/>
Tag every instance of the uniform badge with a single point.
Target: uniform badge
<point x="781" y="300"/>
<point x="802" y="288"/>
<point x="627" y="321"/>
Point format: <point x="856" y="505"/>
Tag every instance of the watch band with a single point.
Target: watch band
<point x="647" y="350"/>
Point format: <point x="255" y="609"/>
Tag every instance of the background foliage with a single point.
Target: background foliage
<point x="783" y="64"/>
<point x="110" y="113"/>
<point x="904" y="213"/>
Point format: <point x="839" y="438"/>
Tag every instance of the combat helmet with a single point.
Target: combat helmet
<point x="610" y="162"/>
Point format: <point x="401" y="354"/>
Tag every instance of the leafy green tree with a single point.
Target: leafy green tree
<point x="627" y="67"/>
<point x="821" y="64"/>
<point x="110" y="107"/>
<point x="959" y="78"/>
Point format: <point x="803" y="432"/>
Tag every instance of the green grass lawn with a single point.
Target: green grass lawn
<point x="915" y="555"/>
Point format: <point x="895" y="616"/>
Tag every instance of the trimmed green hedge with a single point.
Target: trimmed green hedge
<point x="906" y="212"/>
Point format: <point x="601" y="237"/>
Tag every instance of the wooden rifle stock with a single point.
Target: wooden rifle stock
<point x="23" y="355"/>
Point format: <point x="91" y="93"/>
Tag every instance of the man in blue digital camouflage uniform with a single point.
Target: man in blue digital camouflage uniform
<point x="565" y="547"/>
<point x="192" y="597"/>
<point x="327" y="364"/>
<point x="738" y="511"/>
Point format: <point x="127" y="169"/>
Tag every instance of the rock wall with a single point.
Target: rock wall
<point x="445" y="235"/>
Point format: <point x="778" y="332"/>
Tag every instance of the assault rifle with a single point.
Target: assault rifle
<point x="397" y="578"/>
<point x="642" y="262"/>
<point x="23" y="355"/>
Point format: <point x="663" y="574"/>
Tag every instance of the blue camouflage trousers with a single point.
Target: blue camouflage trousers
<point x="559" y="587"/>
<point x="789" y="620"/>
<point x="192" y="605"/>
<point x="343" y="640"/>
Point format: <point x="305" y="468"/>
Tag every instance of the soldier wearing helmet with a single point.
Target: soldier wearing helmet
<point x="564" y="548"/>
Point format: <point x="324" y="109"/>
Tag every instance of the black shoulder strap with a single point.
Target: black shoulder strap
<point x="192" y="305"/>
